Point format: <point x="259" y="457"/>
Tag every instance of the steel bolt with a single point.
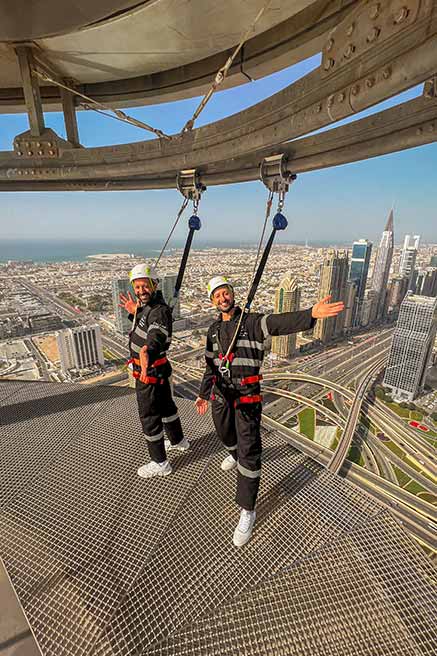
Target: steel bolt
<point x="49" y="144"/>
<point x="30" y="153"/>
<point x="374" y="34"/>
<point x="19" y="153"/>
<point x="329" y="63"/>
<point x="386" y="73"/>
<point x="341" y="97"/>
<point x="370" y="82"/>
<point x="419" y="131"/>
<point x="402" y="15"/>
<point x="51" y="152"/>
<point x="350" y="29"/>
<point x="319" y="108"/>
<point x="374" y="11"/>
<point x="431" y="127"/>
<point x="28" y="144"/>
<point x="38" y="145"/>
<point x="40" y="152"/>
<point x="355" y="90"/>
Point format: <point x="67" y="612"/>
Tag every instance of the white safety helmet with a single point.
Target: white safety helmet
<point x="217" y="281"/>
<point x="143" y="271"/>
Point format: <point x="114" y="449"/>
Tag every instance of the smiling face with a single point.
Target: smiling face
<point x="143" y="289"/>
<point x="223" y="298"/>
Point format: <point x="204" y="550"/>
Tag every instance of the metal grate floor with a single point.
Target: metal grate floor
<point x="105" y="563"/>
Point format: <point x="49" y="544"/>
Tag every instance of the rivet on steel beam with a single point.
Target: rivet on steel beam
<point x="26" y="172"/>
<point x="350" y="29"/>
<point x="40" y="152"/>
<point x="51" y="152"/>
<point x="355" y="90"/>
<point x="386" y="73"/>
<point x="329" y="45"/>
<point x="401" y="16"/>
<point x="19" y="153"/>
<point x="32" y="172"/>
<point x="38" y="145"/>
<point x="431" y="127"/>
<point x="374" y="34"/>
<point x="341" y="97"/>
<point x="419" y="131"/>
<point x="28" y="144"/>
<point x="349" y="50"/>
<point x="374" y="11"/>
<point x="329" y="63"/>
<point x="319" y="108"/>
<point x="30" y="153"/>
<point x="20" y="172"/>
<point x="370" y="82"/>
<point x="49" y="144"/>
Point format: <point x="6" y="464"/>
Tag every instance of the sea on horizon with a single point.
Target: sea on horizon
<point x="78" y="250"/>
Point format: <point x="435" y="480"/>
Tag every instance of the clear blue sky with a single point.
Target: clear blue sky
<point x="341" y="203"/>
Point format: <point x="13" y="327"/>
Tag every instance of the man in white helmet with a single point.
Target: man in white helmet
<point x="149" y="341"/>
<point x="232" y="383"/>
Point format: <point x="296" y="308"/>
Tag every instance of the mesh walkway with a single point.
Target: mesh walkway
<point x="105" y="563"/>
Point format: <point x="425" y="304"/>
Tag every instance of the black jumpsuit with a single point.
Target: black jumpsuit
<point x="236" y="403"/>
<point x="153" y="327"/>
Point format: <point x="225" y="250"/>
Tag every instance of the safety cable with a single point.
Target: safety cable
<point x="244" y="311"/>
<point x="179" y="214"/>
<point x="223" y="71"/>
<point x="102" y="108"/>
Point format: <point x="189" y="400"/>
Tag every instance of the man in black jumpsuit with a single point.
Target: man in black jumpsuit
<point x="233" y="385"/>
<point x="149" y="341"/>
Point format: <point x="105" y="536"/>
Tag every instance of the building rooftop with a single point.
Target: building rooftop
<point x="105" y="563"/>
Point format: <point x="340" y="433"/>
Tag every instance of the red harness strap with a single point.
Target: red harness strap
<point x="255" y="398"/>
<point x="251" y="379"/>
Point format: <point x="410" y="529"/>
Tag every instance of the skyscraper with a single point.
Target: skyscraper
<point x="167" y="284"/>
<point x="408" y="257"/>
<point x="426" y="282"/>
<point x="80" y="348"/>
<point x="351" y="294"/>
<point x="121" y="286"/>
<point x="397" y="288"/>
<point x="382" y="266"/>
<point x="411" y="347"/>
<point x="333" y="279"/>
<point x="287" y="299"/>
<point x="361" y="252"/>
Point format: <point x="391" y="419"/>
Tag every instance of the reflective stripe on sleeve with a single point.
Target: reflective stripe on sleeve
<point x="246" y="362"/>
<point x="265" y="330"/>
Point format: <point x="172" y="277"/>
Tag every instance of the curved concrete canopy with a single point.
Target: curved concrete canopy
<point x="152" y="37"/>
<point x="21" y="20"/>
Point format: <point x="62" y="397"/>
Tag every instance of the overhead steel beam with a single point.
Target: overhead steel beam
<point x="295" y="39"/>
<point x="70" y="118"/>
<point x="31" y="90"/>
<point x="408" y="125"/>
<point x="407" y="57"/>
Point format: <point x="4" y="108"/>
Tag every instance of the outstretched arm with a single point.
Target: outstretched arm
<point x="323" y="309"/>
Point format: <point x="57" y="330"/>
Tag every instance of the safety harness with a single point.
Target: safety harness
<point x="274" y="174"/>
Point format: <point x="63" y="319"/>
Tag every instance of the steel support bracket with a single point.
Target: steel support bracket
<point x="274" y="174"/>
<point x="189" y="184"/>
<point x="430" y="88"/>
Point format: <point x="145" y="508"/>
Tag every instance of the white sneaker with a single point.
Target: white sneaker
<point x="243" y="531"/>
<point x="183" y="445"/>
<point x="228" y="463"/>
<point x="155" y="469"/>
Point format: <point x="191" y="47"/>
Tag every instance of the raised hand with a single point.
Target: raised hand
<point x="201" y="406"/>
<point x="323" y="309"/>
<point x="128" y="303"/>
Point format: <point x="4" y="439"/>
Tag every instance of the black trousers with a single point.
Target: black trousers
<point x="239" y="430"/>
<point x="158" y="410"/>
